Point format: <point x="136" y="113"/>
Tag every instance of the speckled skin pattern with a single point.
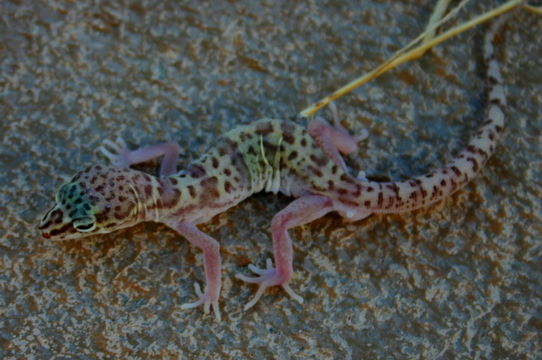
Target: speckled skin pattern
<point x="271" y="155"/>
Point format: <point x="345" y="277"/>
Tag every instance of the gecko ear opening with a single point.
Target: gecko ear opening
<point x="86" y="224"/>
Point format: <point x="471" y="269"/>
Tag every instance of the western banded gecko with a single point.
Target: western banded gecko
<point x="267" y="155"/>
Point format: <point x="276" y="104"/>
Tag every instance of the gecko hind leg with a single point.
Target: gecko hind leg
<point x="300" y="211"/>
<point x="118" y="154"/>
<point x="334" y="139"/>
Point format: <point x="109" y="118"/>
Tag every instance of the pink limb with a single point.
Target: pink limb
<point x="299" y="212"/>
<point x="333" y="140"/>
<point x="120" y="155"/>
<point x="211" y="267"/>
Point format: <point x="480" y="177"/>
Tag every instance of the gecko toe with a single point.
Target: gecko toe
<point x="205" y="299"/>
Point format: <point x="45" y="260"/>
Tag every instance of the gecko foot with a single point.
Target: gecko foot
<point x="206" y="300"/>
<point x="115" y="151"/>
<point x="266" y="278"/>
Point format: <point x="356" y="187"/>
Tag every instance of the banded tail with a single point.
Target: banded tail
<point x="427" y="189"/>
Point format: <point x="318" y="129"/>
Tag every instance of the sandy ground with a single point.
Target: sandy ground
<point x="460" y="279"/>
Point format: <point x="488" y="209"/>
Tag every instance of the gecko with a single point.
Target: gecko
<point x="270" y="155"/>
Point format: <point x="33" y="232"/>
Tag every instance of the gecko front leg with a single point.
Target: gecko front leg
<point x="211" y="266"/>
<point x="119" y="155"/>
<point x="334" y="139"/>
<point x="299" y="212"/>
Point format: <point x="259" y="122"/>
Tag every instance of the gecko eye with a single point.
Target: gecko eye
<point x="84" y="225"/>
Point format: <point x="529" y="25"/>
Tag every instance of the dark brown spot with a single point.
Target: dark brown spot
<point x="357" y="191"/>
<point x="443" y="182"/>
<point x="173" y="181"/>
<point x="196" y="171"/>
<point x="288" y="130"/>
<point x="491" y="136"/>
<point x="456" y="170"/>
<point x="435" y="191"/>
<point x="348" y="202"/>
<point x="380" y="199"/>
<point x="288" y="138"/>
<point x="474" y="163"/>
<point x="228" y="187"/>
<point x="367" y="203"/>
<point x="210" y="190"/>
<point x="264" y="128"/>
<point x="316" y="171"/>
<point x="119" y="216"/>
<point x="227" y="172"/>
<point x="393" y="187"/>
<point x="334" y="169"/>
<point x="370" y="188"/>
<point x="423" y="192"/>
<point x="292" y="155"/>
<point x="244" y="136"/>
<point x="214" y="162"/>
<point x="454" y="184"/>
<point x="319" y="160"/>
<point x="148" y="190"/>
<point x="303" y="142"/>
<point x="347" y="179"/>
<point x="492" y="80"/>
<point x="495" y="102"/>
<point x="161" y="190"/>
<point x="191" y="191"/>
<point x="342" y="191"/>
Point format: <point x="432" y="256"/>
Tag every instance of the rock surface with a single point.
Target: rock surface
<point x="461" y="279"/>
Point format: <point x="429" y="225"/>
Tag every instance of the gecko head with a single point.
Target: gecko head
<point x="95" y="201"/>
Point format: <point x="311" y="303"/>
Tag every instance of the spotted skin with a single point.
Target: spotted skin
<point x="267" y="155"/>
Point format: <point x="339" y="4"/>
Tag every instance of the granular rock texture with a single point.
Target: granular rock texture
<point x="460" y="279"/>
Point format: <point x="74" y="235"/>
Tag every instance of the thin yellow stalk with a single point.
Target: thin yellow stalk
<point x="393" y="62"/>
<point x="534" y="9"/>
<point x="437" y="14"/>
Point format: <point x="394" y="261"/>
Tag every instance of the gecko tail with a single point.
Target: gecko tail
<point x="426" y="189"/>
